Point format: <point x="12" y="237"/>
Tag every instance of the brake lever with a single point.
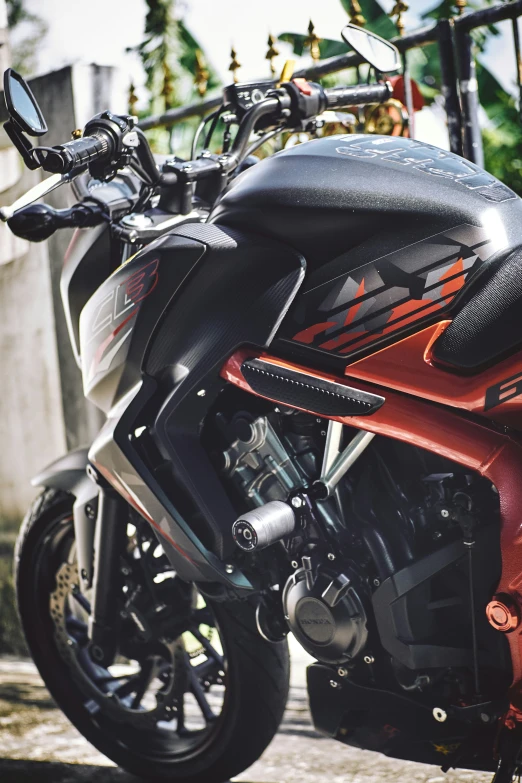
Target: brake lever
<point x="34" y="194"/>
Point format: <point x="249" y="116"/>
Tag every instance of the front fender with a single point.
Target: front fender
<point x="66" y="473"/>
<point x="69" y="473"/>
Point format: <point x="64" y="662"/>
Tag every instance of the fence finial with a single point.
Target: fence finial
<point x="356" y="15"/>
<point x="313" y="41"/>
<point x="202" y="74"/>
<point x="272" y="53"/>
<point x="167" y="90"/>
<point x="132" y="99"/>
<point x="398" y="10"/>
<point x="234" y="65"/>
<point x="461" y="5"/>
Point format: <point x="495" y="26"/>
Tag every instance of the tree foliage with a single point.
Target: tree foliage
<point x="502" y="135"/>
<point x="28" y="30"/>
<point x="169" y="56"/>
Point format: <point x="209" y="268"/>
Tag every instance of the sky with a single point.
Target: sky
<point x="100" y="31"/>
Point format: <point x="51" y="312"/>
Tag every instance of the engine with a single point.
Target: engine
<point x="381" y="577"/>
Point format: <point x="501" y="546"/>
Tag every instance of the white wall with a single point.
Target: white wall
<point x="42" y="410"/>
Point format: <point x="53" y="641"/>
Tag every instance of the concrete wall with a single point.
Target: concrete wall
<point x="42" y="410"/>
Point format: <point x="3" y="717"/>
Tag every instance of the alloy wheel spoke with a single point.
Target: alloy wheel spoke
<point x="144" y="680"/>
<point x="126" y="688"/>
<point x="209" y="649"/>
<point x="82" y="600"/>
<point x="203" y="669"/>
<point x="202" y="616"/>
<point x="199" y="694"/>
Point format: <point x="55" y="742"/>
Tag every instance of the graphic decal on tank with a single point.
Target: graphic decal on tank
<point x="427" y="159"/>
<point x="391" y="293"/>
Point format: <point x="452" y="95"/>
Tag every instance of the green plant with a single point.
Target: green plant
<point x="502" y="137"/>
<point x="171" y="57"/>
<point x="19" y="18"/>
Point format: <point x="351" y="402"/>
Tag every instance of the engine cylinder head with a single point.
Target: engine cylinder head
<point x="263" y="526"/>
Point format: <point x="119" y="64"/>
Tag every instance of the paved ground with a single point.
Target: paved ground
<point x="38" y="744"/>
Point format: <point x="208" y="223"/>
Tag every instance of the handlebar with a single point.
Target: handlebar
<point x="112" y="142"/>
<point x="358" y="95"/>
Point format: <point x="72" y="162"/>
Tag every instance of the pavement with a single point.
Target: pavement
<point x="39" y="745"/>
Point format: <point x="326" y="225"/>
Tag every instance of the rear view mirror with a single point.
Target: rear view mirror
<point x="22" y="106"/>
<point x="378" y="52"/>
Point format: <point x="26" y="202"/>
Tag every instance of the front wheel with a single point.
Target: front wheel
<point x="194" y="693"/>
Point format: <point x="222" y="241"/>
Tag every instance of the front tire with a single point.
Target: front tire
<point x="254" y="679"/>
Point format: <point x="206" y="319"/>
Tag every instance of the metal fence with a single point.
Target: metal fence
<point x="458" y="71"/>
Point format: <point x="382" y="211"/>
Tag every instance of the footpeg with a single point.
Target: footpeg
<point x="263" y="526"/>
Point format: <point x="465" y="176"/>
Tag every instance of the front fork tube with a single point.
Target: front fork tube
<point x="109" y="541"/>
<point x="85" y="511"/>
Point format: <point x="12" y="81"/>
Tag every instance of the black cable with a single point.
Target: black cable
<point x="213" y="126"/>
<point x="259" y="142"/>
<point x="200" y="130"/>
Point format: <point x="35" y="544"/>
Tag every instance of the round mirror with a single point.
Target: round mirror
<point x="22" y="105"/>
<point x="378" y="52"/>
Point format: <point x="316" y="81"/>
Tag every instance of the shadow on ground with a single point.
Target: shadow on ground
<point x="39" y="745"/>
<point x="22" y="771"/>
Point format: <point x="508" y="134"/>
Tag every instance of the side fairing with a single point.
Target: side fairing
<point x="118" y="320"/>
<point x="236" y="295"/>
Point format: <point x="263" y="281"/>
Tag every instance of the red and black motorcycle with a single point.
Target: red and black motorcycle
<point x="312" y="377"/>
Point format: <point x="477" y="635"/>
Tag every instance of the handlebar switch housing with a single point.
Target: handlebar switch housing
<point x="307" y="100"/>
<point x="241" y="97"/>
<point x="119" y="128"/>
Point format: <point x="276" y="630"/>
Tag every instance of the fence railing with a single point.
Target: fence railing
<point x="458" y="73"/>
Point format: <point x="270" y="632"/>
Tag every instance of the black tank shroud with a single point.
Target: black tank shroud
<point x="393" y="231"/>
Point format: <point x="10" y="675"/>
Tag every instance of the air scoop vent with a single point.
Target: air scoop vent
<point x="301" y="390"/>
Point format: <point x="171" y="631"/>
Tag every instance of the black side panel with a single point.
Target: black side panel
<point x="418" y="630"/>
<point x="489" y="324"/>
<point x="299" y="390"/>
<point x="237" y="296"/>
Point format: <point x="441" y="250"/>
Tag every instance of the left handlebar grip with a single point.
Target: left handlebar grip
<point x="78" y="154"/>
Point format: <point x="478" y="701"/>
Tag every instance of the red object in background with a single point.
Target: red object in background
<point x="397" y="82"/>
<point x="428" y="406"/>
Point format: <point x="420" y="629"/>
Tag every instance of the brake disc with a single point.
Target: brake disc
<point x="107" y="701"/>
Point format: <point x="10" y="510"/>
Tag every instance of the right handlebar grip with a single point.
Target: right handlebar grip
<point x="358" y="95"/>
<point x="78" y="154"/>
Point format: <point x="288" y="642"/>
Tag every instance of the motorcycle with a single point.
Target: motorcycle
<point x="312" y="378"/>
